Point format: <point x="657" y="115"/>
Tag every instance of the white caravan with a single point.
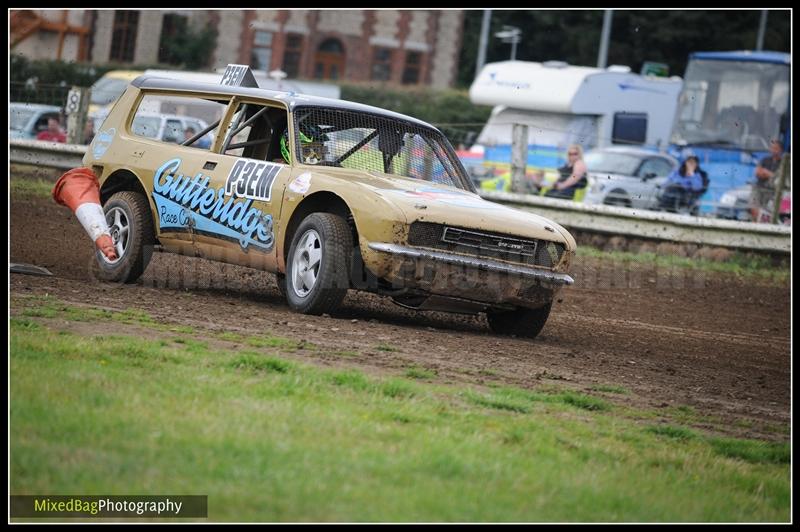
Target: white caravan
<point x="564" y="104"/>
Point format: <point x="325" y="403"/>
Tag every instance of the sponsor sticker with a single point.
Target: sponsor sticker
<point x="252" y="179"/>
<point x="187" y="203"/>
<point x="102" y="141"/>
<point x="301" y="183"/>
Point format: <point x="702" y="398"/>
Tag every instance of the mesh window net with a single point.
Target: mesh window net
<point x="373" y="143"/>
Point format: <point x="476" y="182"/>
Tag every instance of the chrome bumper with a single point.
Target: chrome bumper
<point x="473" y="262"/>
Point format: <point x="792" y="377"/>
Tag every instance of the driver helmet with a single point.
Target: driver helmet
<point x="312" y="147"/>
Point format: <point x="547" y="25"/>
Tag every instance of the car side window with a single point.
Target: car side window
<point x="654" y="167"/>
<point x="255" y="132"/>
<point x="177" y="119"/>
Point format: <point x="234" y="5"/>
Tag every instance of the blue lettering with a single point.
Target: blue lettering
<point x="194" y="195"/>
<point x="172" y="165"/>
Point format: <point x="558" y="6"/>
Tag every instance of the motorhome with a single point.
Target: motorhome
<point x="564" y="104"/>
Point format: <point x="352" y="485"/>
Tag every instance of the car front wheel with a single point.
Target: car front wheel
<point x="318" y="265"/>
<point x="520" y="322"/>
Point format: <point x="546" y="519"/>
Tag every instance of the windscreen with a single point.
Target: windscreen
<point x="375" y="143"/>
<point x="732" y="104"/>
<point x="604" y="162"/>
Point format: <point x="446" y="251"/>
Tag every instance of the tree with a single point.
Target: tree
<point x="187" y="47"/>
<point x="636" y="36"/>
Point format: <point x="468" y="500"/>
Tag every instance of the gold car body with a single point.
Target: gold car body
<point x="208" y="204"/>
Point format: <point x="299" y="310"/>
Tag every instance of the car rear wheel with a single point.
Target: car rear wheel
<point x="131" y="225"/>
<point x="318" y="266"/>
<point x="520" y="322"/>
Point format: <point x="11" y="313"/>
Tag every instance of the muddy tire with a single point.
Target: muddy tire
<point x="128" y="216"/>
<point x="318" y="265"/>
<point x="524" y="322"/>
<point x="280" y="282"/>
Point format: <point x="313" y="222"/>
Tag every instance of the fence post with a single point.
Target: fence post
<point x="77" y="109"/>
<point x="519" y="157"/>
<point x="783" y="172"/>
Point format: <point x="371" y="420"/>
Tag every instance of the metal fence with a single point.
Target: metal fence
<point x="773" y="239"/>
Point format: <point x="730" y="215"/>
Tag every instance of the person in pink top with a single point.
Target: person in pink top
<point x="53" y="133"/>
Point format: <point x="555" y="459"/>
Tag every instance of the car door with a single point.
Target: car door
<point x="176" y="177"/>
<point x="246" y="171"/>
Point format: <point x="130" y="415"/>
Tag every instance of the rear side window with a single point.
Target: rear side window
<point x="629" y="128"/>
<point x="178" y="119"/>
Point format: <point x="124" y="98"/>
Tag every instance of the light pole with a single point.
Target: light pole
<point x="510" y="34"/>
<point x="487" y="19"/>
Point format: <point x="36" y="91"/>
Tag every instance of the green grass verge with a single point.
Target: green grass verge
<point x="271" y="439"/>
<point x="31" y="187"/>
<point x="739" y="264"/>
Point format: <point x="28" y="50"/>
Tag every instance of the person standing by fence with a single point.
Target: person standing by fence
<point x="53" y="133"/>
<point x="764" y="187"/>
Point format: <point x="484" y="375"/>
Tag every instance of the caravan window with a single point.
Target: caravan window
<point x="629" y="128"/>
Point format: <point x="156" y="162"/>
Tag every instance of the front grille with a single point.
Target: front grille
<point x="485" y="244"/>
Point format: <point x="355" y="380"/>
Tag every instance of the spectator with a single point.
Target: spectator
<point x="202" y="142"/>
<point x="764" y="188"/>
<point x="53" y="133"/>
<point x="533" y="182"/>
<point x="572" y="176"/>
<point x="88" y="131"/>
<point x="683" y="186"/>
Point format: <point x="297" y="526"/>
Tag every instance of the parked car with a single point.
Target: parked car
<point x="170" y="128"/>
<point x="735" y="204"/>
<point x="276" y="192"/>
<point x="26" y="120"/>
<point x="626" y="176"/>
<point x="108" y="88"/>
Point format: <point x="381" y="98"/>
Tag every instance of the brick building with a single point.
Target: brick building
<point x="413" y="47"/>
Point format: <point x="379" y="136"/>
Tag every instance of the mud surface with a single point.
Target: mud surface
<point x="673" y="338"/>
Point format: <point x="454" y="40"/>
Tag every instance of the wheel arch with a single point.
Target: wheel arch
<point x="618" y="196"/>
<point x="124" y="179"/>
<point x="323" y="201"/>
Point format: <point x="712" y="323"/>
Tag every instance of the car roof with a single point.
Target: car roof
<point x="126" y="75"/>
<point x="635" y="151"/>
<point x="291" y="99"/>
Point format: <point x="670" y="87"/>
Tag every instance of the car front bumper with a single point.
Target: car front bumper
<point x="474" y="278"/>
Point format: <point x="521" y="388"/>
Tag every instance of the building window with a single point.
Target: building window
<point x="291" y="56"/>
<point x="382" y="64"/>
<point x="329" y="61"/>
<point x="123" y="41"/>
<point x="172" y="27"/>
<point x="411" y="70"/>
<point x="261" y="56"/>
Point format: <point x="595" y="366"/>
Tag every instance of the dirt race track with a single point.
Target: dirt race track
<point x="715" y="342"/>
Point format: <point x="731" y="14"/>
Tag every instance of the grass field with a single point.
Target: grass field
<point x="183" y="411"/>
<point x="739" y="264"/>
